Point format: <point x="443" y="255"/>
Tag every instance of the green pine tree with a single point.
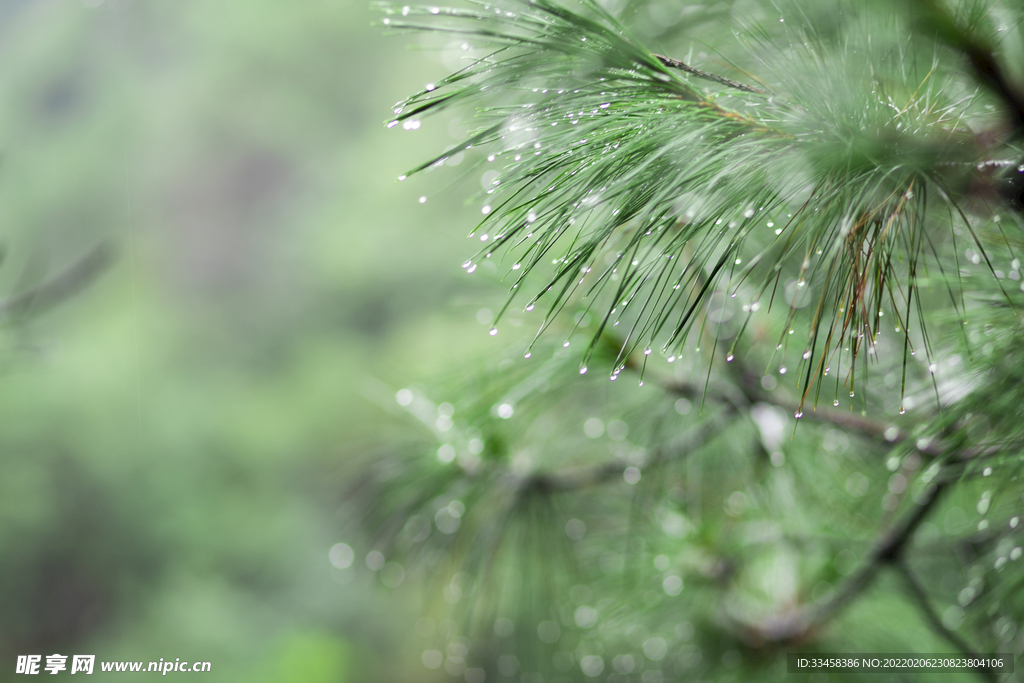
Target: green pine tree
<point x="789" y="234"/>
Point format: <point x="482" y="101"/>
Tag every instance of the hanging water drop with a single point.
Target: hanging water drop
<point x="565" y="345"/>
<point x="933" y="367"/>
<point x="836" y="402"/>
<point x="471" y="268"/>
<point x="529" y="308"/>
<point x="798" y="414"/>
<point x="902" y="411"/>
<point x="782" y="370"/>
<point x="729" y="358"/>
<point x="647" y="352"/>
<point x="494" y="331"/>
<point x="583" y="370"/>
<point x="527" y="354"/>
<point x="423" y="200"/>
<point x="807" y="354"/>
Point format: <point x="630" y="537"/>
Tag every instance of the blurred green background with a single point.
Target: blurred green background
<point x="177" y="438"/>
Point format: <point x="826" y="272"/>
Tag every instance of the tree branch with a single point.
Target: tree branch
<point x="683" y="66"/>
<point x="604" y="472"/>
<point x="888" y="551"/>
<point x="917" y="590"/>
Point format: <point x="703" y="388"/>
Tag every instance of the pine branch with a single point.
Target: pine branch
<point x="925" y="606"/>
<point x="682" y="66"/>
<point x="58" y="287"/>
<point x="887" y="551"/>
<point x="605" y="472"/>
<point x="982" y="59"/>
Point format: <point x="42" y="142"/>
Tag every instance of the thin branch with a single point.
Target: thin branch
<point x="917" y="590"/>
<point x="887" y="551"/>
<point x="60" y="286"/>
<point x="609" y="471"/>
<point x="683" y="66"/>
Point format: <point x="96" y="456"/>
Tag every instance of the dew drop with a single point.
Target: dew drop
<point x="471" y="268"/>
<point x="798" y="414"/>
<point x="423" y="200"/>
<point x="647" y="352"/>
<point x="529" y="308"/>
<point x="583" y="370"/>
<point x="671" y="359"/>
<point x="729" y="358"/>
<point x="902" y="411"/>
<point x="933" y="367"/>
<point x="835" y="402"/>
<point x="565" y="345"/>
<point x="782" y="370"/>
<point x="527" y="354"/>
<point x="807" y="354"/>
<point x="851" y="394"/>
<point x="987" y="472"/>
<point x="494" y="331"/>
<point x="402" y="177"/>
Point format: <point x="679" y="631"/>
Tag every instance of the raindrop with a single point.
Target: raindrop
<point x="494" y="331"/>
<point x="471" y="268"/>
<point x="647" y="352"/>
<point x="798" y="414"/>
<point x="902" y="411"/>
<point x="486" y="209"/>
<point x="529" y="308"/>
<point x="565" y="345"/>
<point x="782" y="370"/>
<point x="402" y="177"/>
<point x="987" y="472"/>
<point x="835" y="402"/>
<point x="807" y="354"/>
<point x="729" y="358"/>
<point x="933" y="367"/>
<point x="423" y="200"/>
<point x="583" y="370"/>
<point x="527" y="355"/>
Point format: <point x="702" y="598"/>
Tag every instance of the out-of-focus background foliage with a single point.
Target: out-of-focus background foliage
<point x="176" y="438"/>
